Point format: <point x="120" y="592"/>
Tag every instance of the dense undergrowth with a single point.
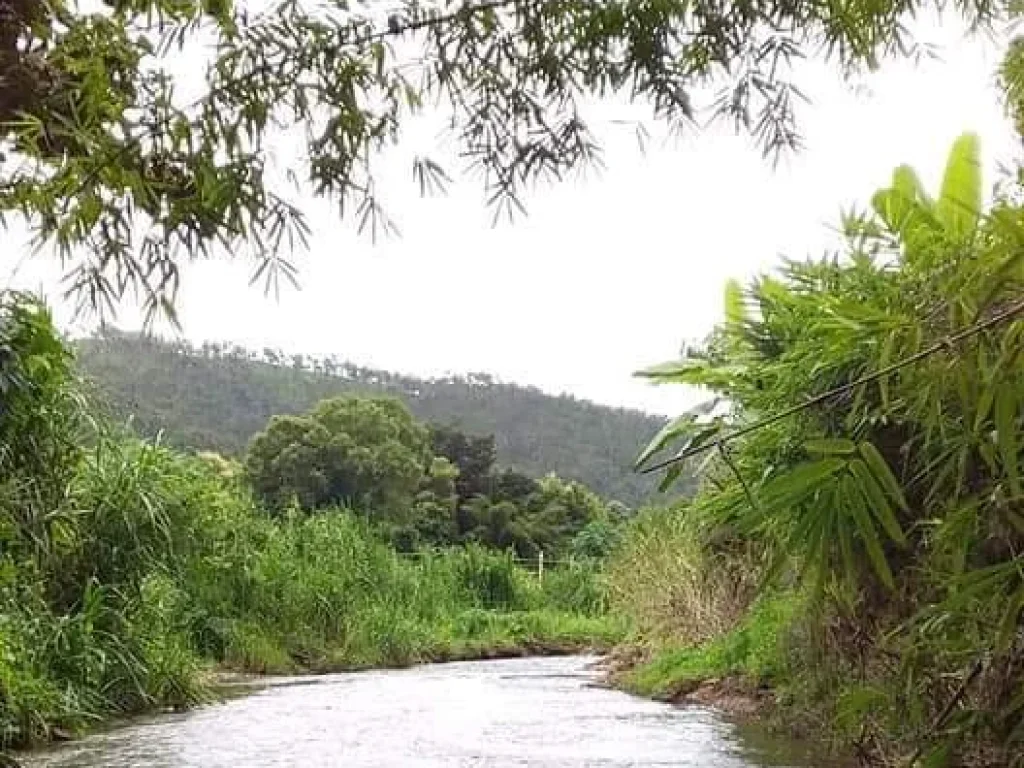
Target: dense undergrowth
<point x="858" y="542"/>
<point x="128" y="571"/>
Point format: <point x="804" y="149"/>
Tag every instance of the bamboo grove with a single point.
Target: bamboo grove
<point x="867" y="465"/>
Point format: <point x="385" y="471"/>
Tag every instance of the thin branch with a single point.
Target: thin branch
<point x="724" y="452"/>
<point x="938" y="346"/>
<point x="947" y="710"/>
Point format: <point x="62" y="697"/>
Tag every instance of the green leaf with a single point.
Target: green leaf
<point x="936" y="757"/>
<point x="905" y="181"/>
<point x="866" y="529"/>
<point x="673" y="371"/>
<point x="959" y="203"/>
<point x="846" y="551"/>
<point x="885" y="358"/>
<point x="735" y="313"/>
<point x="875" y="497"/>
<point x="793" y="486"/>
<point x="883" y="474"/>
<point x="1006" y="433"/>
<point x="1008" y="625"/>
<point x="671" y="475"/>
<point x="826" y="446"/>
<point x="676" y="428"/>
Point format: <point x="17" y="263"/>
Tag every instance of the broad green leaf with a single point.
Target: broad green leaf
<point x="906" y="181"/>
<point x="959" y="203"/>
<point x="866" y="529"/>
<point x="893" y="207"/>
<point x="826" y="446"/>
<point x="1006" y="407"/>
<point x="883" y="474"/>
<point x="875" y="497"/>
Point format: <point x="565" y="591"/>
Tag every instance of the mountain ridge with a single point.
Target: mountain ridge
<point x="217" y="396"/>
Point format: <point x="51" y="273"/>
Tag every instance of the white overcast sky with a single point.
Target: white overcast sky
<point x="607" y="274"/>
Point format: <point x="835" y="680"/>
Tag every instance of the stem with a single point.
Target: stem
<point x="948" y="709"/>
<point x="735" y="470"/>
<point x="938" y="346"/>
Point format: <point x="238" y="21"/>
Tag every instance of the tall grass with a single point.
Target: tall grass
<point x="165" y="568"/>
<point x="673" y="585"/>
<point x="129" y="571"/>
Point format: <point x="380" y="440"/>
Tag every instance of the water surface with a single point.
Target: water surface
<point x="543" y="713"/>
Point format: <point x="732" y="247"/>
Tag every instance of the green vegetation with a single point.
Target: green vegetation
<point x="214" y="397"/>
<point x="858" y="542"/>
<point x="130" y="571"/>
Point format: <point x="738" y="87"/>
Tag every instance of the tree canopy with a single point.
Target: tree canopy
<point x="366" y="453"/>
<point x="128" y="172"/>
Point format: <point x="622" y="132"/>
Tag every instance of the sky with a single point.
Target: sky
<point x="608" y="273"/>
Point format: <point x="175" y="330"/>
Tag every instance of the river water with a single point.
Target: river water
<point x="537" y="712"/>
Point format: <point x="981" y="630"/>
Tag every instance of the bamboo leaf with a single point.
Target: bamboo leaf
<point x="831" y="447"/>
<point x="1006" y="433"/>
<point x="846" y="551"/>
<point x="1008" y="625"/>
<point x="885" y="358"/>
<point x="875" y="497"/>
<point x="793" y="486"/>
<point x="959" y="203"/>
<point x="676" y="371"/>
<point x="676" y="428"/>
<point x="868" y="535"/>
<point x="735" y="313"/>
<point x="883" y="474"/>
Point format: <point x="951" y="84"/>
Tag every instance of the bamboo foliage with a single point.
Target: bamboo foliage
<point x="896" y="464"/>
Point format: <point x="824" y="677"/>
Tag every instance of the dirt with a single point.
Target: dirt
<point x="733" y="696"/>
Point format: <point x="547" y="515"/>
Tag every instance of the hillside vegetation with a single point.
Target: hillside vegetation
<point x="217" y="397"/>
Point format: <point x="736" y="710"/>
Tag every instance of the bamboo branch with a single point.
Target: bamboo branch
<point x="945" y="343"/>
<point x="947" y="710"/>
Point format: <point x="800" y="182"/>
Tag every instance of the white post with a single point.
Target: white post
<point x="540" y="566"/>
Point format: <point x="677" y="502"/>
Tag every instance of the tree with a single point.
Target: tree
<point x="474" y="457"/>
<point x="368" y="453"/>
<point x="128" y="179"/>
<point x="560" y="509"/>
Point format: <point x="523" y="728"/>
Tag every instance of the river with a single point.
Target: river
<point x="537" y="712"/>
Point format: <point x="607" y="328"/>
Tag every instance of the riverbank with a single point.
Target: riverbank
<point x="624" y="667"/>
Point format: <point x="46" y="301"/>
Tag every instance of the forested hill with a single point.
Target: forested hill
<point x="217" y="397"/>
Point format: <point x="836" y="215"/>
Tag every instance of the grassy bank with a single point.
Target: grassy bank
<point x="130" y="573"/>
<point x="181" y="574"/>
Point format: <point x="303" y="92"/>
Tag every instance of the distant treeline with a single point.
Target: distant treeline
<point x="216" y="397"/>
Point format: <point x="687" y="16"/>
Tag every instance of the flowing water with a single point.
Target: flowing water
<point x="537" y="712"/>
